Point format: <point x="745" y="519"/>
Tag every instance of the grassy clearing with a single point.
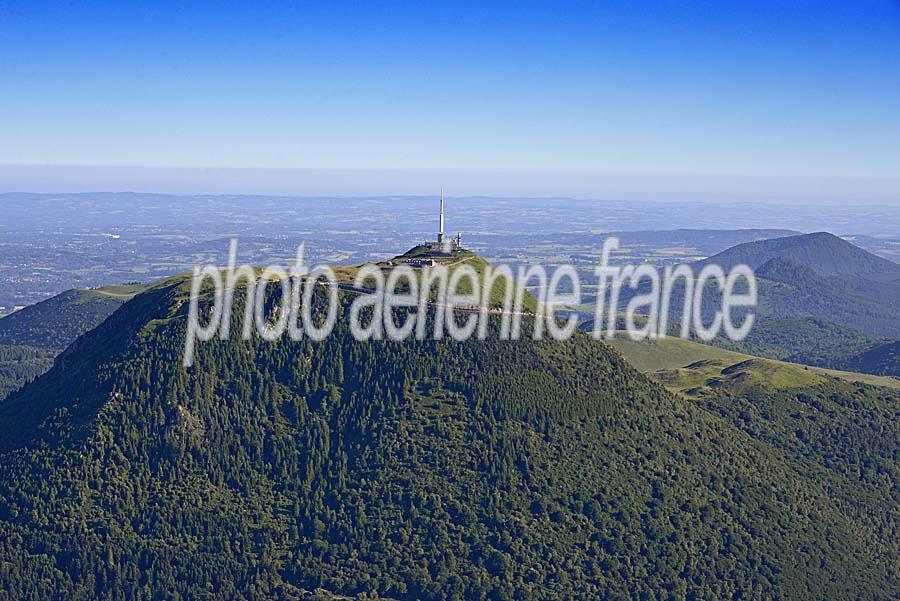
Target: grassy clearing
<point x="693" y="369"/>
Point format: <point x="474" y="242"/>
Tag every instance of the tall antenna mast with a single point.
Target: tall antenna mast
<point x="441" y="229"/>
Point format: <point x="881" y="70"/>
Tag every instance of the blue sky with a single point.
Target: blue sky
<point x="741" y="88"/>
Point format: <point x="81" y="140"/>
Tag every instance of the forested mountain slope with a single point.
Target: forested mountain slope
<point x="434" y="470"/>
<point x="788" y="288"/>
<point x="20" y="364"/>
<point x="822" y="300"/>
<point x="31" y="337"/>
<point x="883" y="359"/>
<point x="824" y="253"/>
<point x="57" y="321"/>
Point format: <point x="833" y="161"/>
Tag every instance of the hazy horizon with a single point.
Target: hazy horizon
<point x="630" y="101"/>
<point x="54" y="179"/>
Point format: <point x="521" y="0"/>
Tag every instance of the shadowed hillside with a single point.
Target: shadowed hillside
<point x="32" y="337"/>
<point x="57" y="321"/>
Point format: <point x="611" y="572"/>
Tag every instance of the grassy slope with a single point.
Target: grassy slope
<point x="685" y="366"/>
<point x="120" y="291"/>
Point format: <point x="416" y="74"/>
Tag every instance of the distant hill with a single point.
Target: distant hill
<point x="824" y="253"/>
<point x="813" y="276"/>
<point x="57" y="321"/>
<point x="822" y="300"/>
<point x="788" y="288"/>
<point x="882" y="359"/>
<point x="429" y="470"/>
<point x="31" y="337"/>
<point x="807" y="340"/>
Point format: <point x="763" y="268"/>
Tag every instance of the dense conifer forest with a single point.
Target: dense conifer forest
<point x="429" y="470"/>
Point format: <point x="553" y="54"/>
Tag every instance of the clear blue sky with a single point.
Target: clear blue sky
<point x="756" y="88"/>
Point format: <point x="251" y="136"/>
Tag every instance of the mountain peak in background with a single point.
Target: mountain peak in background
<point x="823" y="252"/>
